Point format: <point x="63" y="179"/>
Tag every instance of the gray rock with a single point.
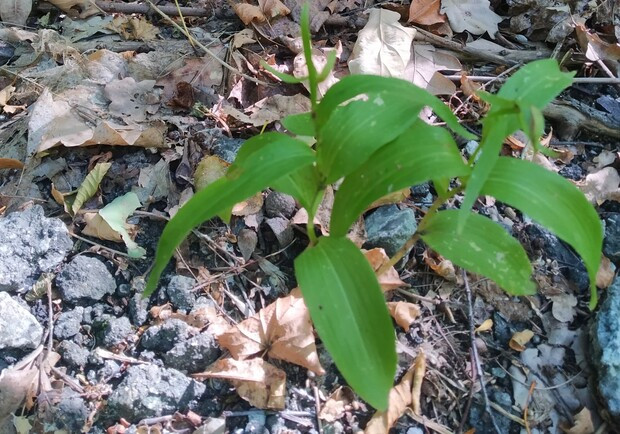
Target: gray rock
<point x="18" y="328"/>
<point x="279" y="205"/>
<point x="69" y="414"/>
<point x="571" y="265"/>
<point x="194" y="354"/>
<point x="73" y="355"/>
<point x="84" y="279"/>
<point x="30" y="244"/>
<point x="226" y="148"/>
<point x="611" y="243"/>
<point x="480" y="419"/>
<point x="161" y="338"/>
<point x="149" y="391"/>
<point x="114" y="331"/>
<point x="605" y="338"/>
<point x="138" y="312"/>
<point x="389" y="227"/>
<point x="68" y="323"/>
<point x="256" y="423"/>
<point x="180" y="293"/>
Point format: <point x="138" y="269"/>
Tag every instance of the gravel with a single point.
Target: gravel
<point x="113" y="331"/>
<point x="162" y="338"/>
<point x="30" y="244"/>
<point x="68" y="323"/>
<point x="85" y="279"/>
<point x="18" y="328"/>
<point x="193" y="355"/>
<point x="180" y="292"/>
<point x="74" y="355"/>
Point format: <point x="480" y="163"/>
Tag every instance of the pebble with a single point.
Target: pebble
<point x="85" y="279"/>
<point x="162" y="338"/>
<point x="180" y="292"/>
<point x="389" y="227"/>
<point x="114" y="331"/>
<point x="68" y="323"/>
<point x="19" y="329"/>
<point x="194" y="354"/>
<point x="279" y="205"/>
<point x="74" y="355"/>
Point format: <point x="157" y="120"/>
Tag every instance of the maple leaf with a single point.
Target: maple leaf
<point x="283" y="330"/>
<point x="257" y="381"/>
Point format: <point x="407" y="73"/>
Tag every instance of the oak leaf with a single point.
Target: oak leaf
<point x="283" y="330"/>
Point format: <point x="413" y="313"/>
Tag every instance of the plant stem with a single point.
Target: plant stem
<point x="307" y="44"/>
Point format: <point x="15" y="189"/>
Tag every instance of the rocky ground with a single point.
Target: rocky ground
<point x="81" y="349"/>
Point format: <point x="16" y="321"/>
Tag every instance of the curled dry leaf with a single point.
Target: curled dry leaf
<point x="336" y="404"/>
<point x="404" y="313"/>
<point x="606" y="273"/>
<point x="419" y="370"/>
<point x="486" y="325"/>
<point x="283" y="330"/>
<point x="10" y="163"/>
<point x="425" y="12"/>
<point x="601" y="186"/>
<point x="257" y="381"/>
<point x="388" y="280"/>
<point x="594" y="47"/>
<point x="440" y="265"/>
<point x="474" y="16"/>
<point x="520" y="339"/>
<point x="582" y="423"/>
<point x="266" y="9"/>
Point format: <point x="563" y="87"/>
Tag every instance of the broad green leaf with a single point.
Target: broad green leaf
<point x="442" y="185"/>
<point x="536" y="84"/>
<point x="356" y="130"/>
<point x="419" y="154"/>
<point x="350" y="315"/>
<point x="354" y="85"/>
<point x="554" y="203"/>
<point x="259" y="163"/>
<point x="300" y="124"/>
<point x="116" y="213"/>
<point x="483" y="247"/>
<point x="303" y="184"/>
<point x="90" y="185"/>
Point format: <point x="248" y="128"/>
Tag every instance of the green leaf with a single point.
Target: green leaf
<point x="261" y="161"/>
<point x="90" y="185"/>
<point x="330" y="61"/>
<point x="356" y="130"/>
<point x="354" y="85"/>
<point x="303" y="184"/>
<point x="286" y="78"/>
<point x="536" y="84"/>
<point x="350" y="315"/>
<point x="419" y="154"/>
<point x="554" y="203"/>
<point x="484" y="247"/>
<point x="116" y="213"/>
<point x="300" y="124"/>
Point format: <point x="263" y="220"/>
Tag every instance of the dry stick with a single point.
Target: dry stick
<point x="134" y="8"/>
<point x="474" y="350"/>
<point x="484" y="79"/>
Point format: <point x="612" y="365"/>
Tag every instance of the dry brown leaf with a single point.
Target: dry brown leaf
<point x="594" y="47"/>
<point x="470" y="88"/>
<point x="273" y="8"/>
<point x="133" y="28"/>
<point x="258" y="382"/>
<point x="601" y="186"/>
<point x="283" y="329"/>
<point x="388" y="280"/>
<point x="474" y="16"/>
<point x="520" y="339"/>
<point x="606" y="273"/>
<point x="582" y="423"/>
<point x="319" y="58"/>
<point x="440" y="265"/>
<point x="424" y="66"/>
<point x="97" y="227"/>
<point x="399" y="400"/>
<point x="394" y="197"/>
<point x="337" y="404"/>
<point x="486" y="325"/>
<point x="323" y="213"/>
<point x="131" y="99"/>
<point x="86" y="8"/>
<point x="249" y="206"/>
<point x="10" y="163"/>
<point x="425" y="12"/>
<point x="15" y="386"/>
<point x="419" y="370"/>
<point x="404" y="313"/>
<point x="249" y="13"/>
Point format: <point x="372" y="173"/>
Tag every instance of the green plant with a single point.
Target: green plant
<point x="368" y="133"/>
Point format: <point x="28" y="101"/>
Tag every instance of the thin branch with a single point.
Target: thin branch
<point x="485" y="79"/>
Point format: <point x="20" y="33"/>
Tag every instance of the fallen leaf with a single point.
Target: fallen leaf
<point x="243" y="37"/>
<point x="322" y="215"/>
<point x="97" y="227"/>
<point x="601" y="186"/>
<point x="249" y="206"/>
<point x="419" y="370"/>
<point x="89" y="186"/>
<point x="440" y="265"/>
<point x="10" y="163"/>
<point x="336" y="404"/>
<point x="425" y="12"/>
<point x="15" y="385"/>
<point x="594" y="47"/>
<point x="470" y="88"/>
<point x="131" y="99"/>
<point x="269" y="109"/>
<point x="246" y="241"/>
<point x="249" y="13"/>
<point x="383" y="46"/>
<point x="283" y="329"/>
<point x="404" y="313"/>
<point x="319" y="58"/>
<point x="606" y="273"/>
<point x="563" y="308"/>
<point x="486" y="325"/>
<point x="210" y="169"/>
<point x="133" y="28"/>
<point x="399" y="400"/>
<point x="273" y="8"/>
<point x="116" y="213"/>
<point x="605" y="158"/>
<point x="474" y="16"/>
<point x="520" y="339"/>
<point x="257" y="381"/>
<point x="15" y="12"/>
<point x="582" y="423"/>
<point x="394" y="197"/>
<point x="153" y="183"/>
<point x="86" y="8"/>
<point x="424" y="66"/>
<point x="390" y="279"/>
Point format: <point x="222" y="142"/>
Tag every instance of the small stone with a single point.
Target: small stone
<point x="180" y="292"/>
<point x="193" y="355"/>
<point x="279" y="205"/>
<point x="18" y="328"/>
<point x="138" y="312"/>
<point x="150" y="391"/>
<point x="114" y="330"/>
<point x="73" y="355"/>
<point x="605" y="337"/>
<point x="85" y="279"/>
<point x="162" y="338"/>
<point x="256" y="423"/>
<point x="30" y="244"/>
<point x="389" y="228"/>
<point x="68" y="415"/>
<point x="611" y="243"/>
<point x="572" y="171"/>
<point x="226" y="148"/>
<point x="68" y="323"/>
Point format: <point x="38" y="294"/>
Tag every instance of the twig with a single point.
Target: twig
<point x="474" y="350"/>
<point x="485" y="79"/>
<point x="317" y="409"/>
<point x="86" y="240"/>
<point x="527" y="405"/>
